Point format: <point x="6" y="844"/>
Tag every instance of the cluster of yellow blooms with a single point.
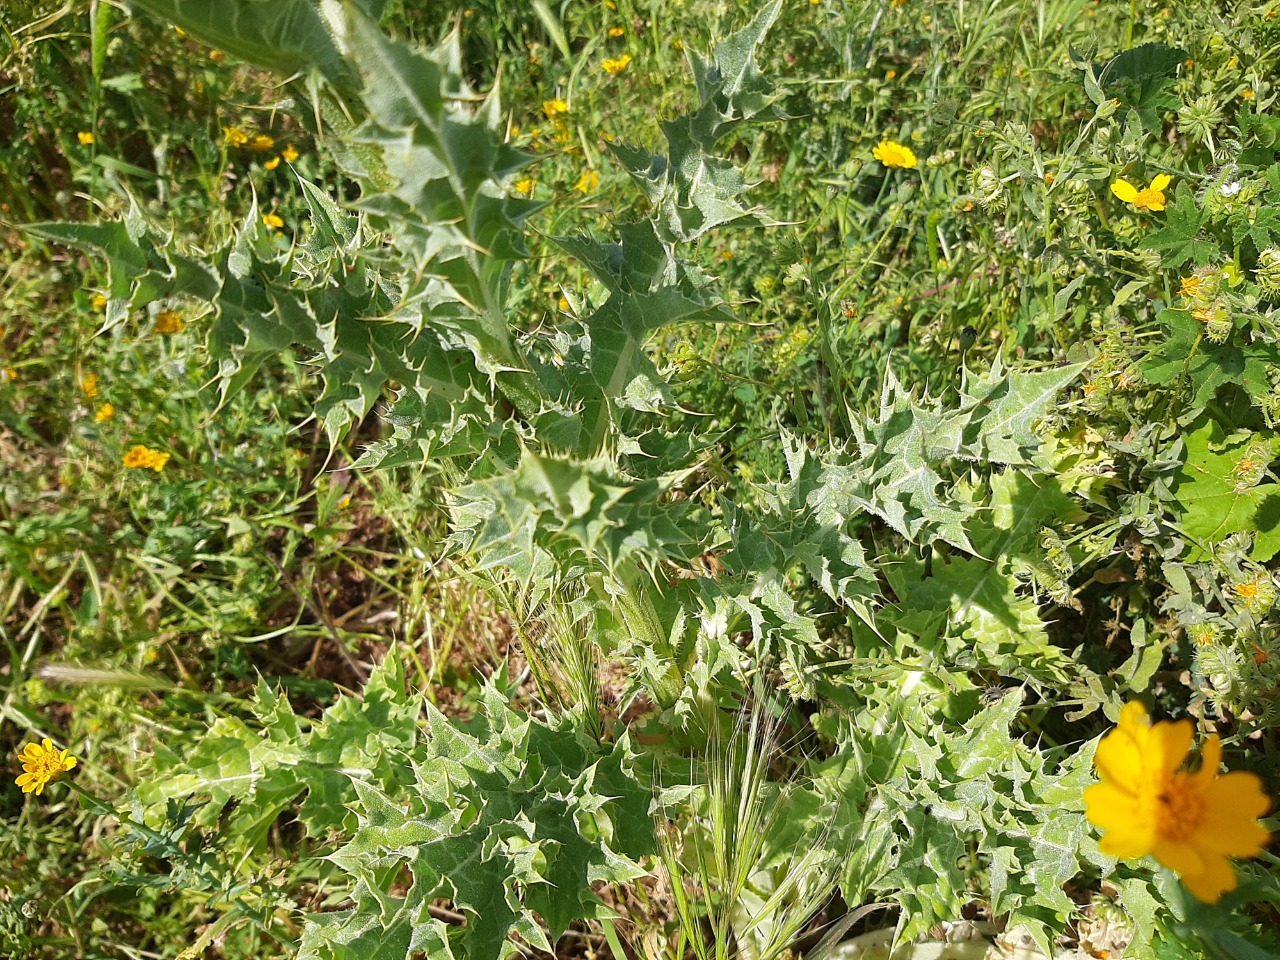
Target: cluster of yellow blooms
<point x="144" y="458"/>
<point x="259" y="143"/>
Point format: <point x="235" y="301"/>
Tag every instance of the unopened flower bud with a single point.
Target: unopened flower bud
<point x="1269" y="273"/>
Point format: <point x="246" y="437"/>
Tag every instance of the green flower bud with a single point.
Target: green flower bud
<point x="1268" y="273"/>
<point x="988" y="189"/>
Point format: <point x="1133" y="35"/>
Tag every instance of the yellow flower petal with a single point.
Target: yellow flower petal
<point x="1215" y="878"/>
<point x="1175" y="743"/>
<point x="1127" y="192"/>
<point x="1161" y="181"/>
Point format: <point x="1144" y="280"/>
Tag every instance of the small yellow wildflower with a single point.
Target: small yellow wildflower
<point x="89" y="384"/>
<point x="1190" y="822"/>
<point x="260" y="143"/>
<point x="168" y="321"/>
<point x="563" y="304"/>
<point x="98" y="301"/>
<point x="615" y="65"/>
<point x="217" y="56"/>
<point x="1247" y="93"/>
<point x="894" y="154"/>
<point x="1146" y="198"/>
<point x="553" y="108"/>
<point x="8" y="375"/>
<point x="144" y="458"/>
<point x="272" y="163"/>
<point x="1247" y="590"/>
<point x="86" y="139"/>
<point x="890" y="74"/>
<point x="104" y="413"/>
<point x="525" y="186"/>
<point x="272" y="220"/>
<point x="1191" y="286"/>
<point x="289" y="153"/>
<point x="616" y="31"/>
<point x="344" y="502"/>
<point x="41" y="762"/>
<point x="587" y="182"/>
<point x="234" y="136"/>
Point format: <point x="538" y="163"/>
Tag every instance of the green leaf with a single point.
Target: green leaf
<point x="284" y="36"/>
<point x="1179" y="240"/>
<point x="1215" y="504"/>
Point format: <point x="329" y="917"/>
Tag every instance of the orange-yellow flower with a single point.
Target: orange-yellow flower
<point x="234" y="136"/>
<point x="98" y="301"/>
<point x="144" y="458"/>
<point x="894" y="154"/>
<point x="1190" y="822"/>
<point x="289" y="153"/>
<point x="168" y="321"/>
<point x="1146" y="198"/>
<point x="272" y="163"/>
<point x="104" y="413"/>
<point x="615" y="65"/>
<point x="41" y="762"/>
<point x="89" y="384"/>
<point x="273" y="221"/>
<point x="85" y="137"/>
<point x="553" y="108"/>
<point x="587" y="182"/>
<point x="260" y="143"/>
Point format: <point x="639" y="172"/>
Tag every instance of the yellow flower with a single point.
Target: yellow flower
<point x="168" y="321"/>
<point x="179" y="31"/>
<point x="587" y="182"/>
<point x="1247" y="93"/>
<point x="1191" y="286"/>
<point x="144" y="458"/>
<point x="616" y="31"/>
<point x="1190" y="822"/>
<point x="894" y="154"/>
<point x="98" y="301"/>
<point x="289" y="153"/>
<point x="615" y="66"/>
<point x="217" y="56"/>
<point x="344" y="502"/>
<point x="89" y="384"/>
<point x="525" y="186"/>
<point x="234" y="136"/>
<point x="86" y="139"/>
<point x="272" y="221"/>
<point x="8" y="375"/>
<point x="563" y="304"/>
<point x="260" y="143"/>
<point x="554" y="108"/>
<point x="41" y="762"/>
<point x="105" y="413"/>
<point x="1147" y="198"/>
<point x="891" y="74"/>
<point x="272" y="163"/>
